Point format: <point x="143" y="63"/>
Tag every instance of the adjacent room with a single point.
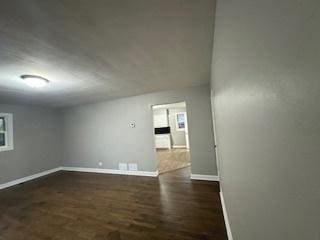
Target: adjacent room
<point x="171" y="136"/>
<point x="159" y="120"/>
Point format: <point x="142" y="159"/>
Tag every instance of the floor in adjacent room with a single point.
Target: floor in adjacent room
<point x="172" y="159"/>
<point x="73" y="205"/>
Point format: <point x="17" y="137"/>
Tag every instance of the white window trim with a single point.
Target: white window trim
<point x="176" y="120"/>
<point x="9" y="132"/>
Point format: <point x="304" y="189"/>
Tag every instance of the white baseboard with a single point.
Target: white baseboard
<point x="226" y="219"/>
<point x="205" y="177"/>
<point x="95" y="170"/>
<point x="28" y="178"/>
<point x="111" y="171"/>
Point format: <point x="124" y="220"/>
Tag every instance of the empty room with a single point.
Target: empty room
<point x="159" y="120"/>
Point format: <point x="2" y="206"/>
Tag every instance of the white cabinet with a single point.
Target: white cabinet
<point x="160" y="118"/>
<point x="163" y="141"/>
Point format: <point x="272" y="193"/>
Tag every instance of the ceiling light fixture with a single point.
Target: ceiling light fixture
<point x="34" y="81"/>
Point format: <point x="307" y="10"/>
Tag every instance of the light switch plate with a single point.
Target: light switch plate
<point x="123" y="166"/>
<point x="133" y="167"/>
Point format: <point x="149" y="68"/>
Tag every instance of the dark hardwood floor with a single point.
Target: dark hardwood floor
<point x="71" y="205"/>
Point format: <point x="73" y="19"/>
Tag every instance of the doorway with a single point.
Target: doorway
<point x="171" y="136"/>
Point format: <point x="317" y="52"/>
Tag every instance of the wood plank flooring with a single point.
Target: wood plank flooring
<point x="71" y="205"/>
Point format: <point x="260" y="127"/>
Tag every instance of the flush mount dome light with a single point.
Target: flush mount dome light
<point x="34" y="81"/>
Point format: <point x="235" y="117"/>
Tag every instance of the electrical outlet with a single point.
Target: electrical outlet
<point x="133" y="167"/>
<point x="123" y="166"/>
<point x="100" y="164"/>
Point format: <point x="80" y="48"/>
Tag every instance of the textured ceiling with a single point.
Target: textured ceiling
<point x="102" y="49"/>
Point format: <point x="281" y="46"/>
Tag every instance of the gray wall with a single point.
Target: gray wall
<point x="178" y="137"/>
<point x="36" y="136"/>
<point x="266" y="68"/>
<point x="101" y="132"/>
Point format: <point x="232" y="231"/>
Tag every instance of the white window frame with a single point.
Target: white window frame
<point x="8" y="132"/>
<point x="176" y="120"/>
